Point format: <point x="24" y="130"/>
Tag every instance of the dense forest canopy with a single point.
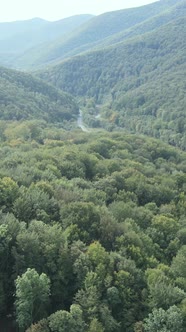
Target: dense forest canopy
<point x="95" y="224"/>
<point x="92" y="196"/>
<point x="23" y="96"/>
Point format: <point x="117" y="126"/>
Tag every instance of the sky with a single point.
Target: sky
<point x="52" y="10"/>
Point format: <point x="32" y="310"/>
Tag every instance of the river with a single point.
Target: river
<point x="80" y="123"/>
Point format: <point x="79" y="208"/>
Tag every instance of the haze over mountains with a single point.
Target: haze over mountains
<point x="99" y="30"/>
<point x="34" y="43"/>
<point x="17" y="37"/>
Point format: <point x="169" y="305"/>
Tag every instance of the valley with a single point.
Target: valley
<point x="93" y="172"/>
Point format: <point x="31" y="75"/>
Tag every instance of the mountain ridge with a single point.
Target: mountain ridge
<point x="30" y="33"/>
<point x="88" y="34"/>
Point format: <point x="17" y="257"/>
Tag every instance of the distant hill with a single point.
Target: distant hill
<point x="23" y="96"/>
<point x="141" y="80"/>
<point x="9" y="29"/>
<point x="17" y="37"/>
<point x="166" y="16"/>
<point x="94" y="33"/>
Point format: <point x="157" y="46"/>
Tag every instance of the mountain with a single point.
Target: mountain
<point x="10" y="29"/>
<point x="92" y="224"/>
<point x="95" y="74"/>
<point x="166" y="16"/>
<point x="17" y="37"/>
<point x="141" y="80"/>
<point x="23" y="97"/>
<point x="92" y="34"/>
<point x="130" y="62"/>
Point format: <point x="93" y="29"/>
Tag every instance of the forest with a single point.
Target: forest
<point x="93" y="172"/>
<point x="136" y="86"/>
<point x="93" y="231"/>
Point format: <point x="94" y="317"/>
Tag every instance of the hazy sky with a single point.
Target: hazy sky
<point x="12" y="10"/>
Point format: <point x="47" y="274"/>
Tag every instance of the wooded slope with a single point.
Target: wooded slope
<point x="23" y="96"/>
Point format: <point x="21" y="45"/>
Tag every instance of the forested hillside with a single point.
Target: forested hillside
<point x="92" y="232"/>
<point x="141" y="81"/>
<point x="23" y="96"/>
<point x="165" y="16"/>
<point x="97" y="31"/>
<point x="93" y="224"/>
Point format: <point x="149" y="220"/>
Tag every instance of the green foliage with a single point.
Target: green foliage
<point x="95" y="326"/>
<point x="92" y="225"/>
<point x="32" y="295"/>
<point x="162" y="291"/>
<point x="137" y="83"/>
<point x="164" y="321"/>
<point x="178" y="264"/>
<point x="34" y="203"/>
<point x="25" y="97"/>
<point x="62" y="321"/>
<point x="109" y="244"/>
<point x="41" y="326"/>
<point x="85" y="216"/>
<point x="8" y="192"/>
<point x="5" y="239"/>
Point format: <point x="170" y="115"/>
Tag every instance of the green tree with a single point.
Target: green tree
<point x="63" y="321"/>
<point x="85" y="216"/>
<point x="34" y="203"/>
<point x="44" y="247"/>
<point x="162" y="291"/>
<point x="179" y="263"/>
<point x="5" y="239"/>
<point x="41" y="326"/>
<point x="95" y="326"/>
<point x="32" y="297"/>
<point x="164" y="321"/>
<point x="8" y="192"/>
<point x="163" y="230"/>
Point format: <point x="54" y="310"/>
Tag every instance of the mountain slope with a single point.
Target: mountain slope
<point x="166" y="16"/>
<point x="92" y="33"/>
<point x="106" y="68"/>
<point x="24" y="97"/>
<point x="142" y="79"/>
<point x="35" y="35"/>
